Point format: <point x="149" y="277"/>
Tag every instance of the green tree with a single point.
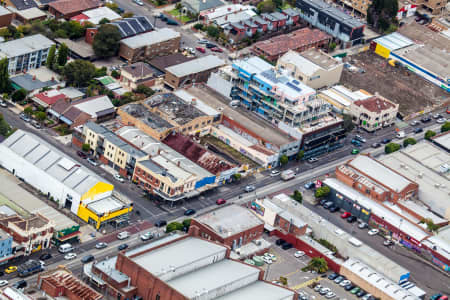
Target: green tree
<point x="127" y="14"/>
<point x="28" y="111"/>
<point x="297" y="196"/>
<point x="73" y="29"/>
<point x="445" y="127"/>
<point x="4" y="76"/>
<point x="382" y="13"/>
<point x="429" y="134"/>
<point x="40" y="116"/>
<point x="318" y="264"/>
<point x="4" y="32"/>
<point x="430" y="225"/>
<point x="322" y="192"/>
<point x="332" y="46"/>
<point x="103" y="21"/>
<point x="106" y="41"/>
<point x="79" y="72"/>
<point x="409" y="141"/>
<point x="348" y="123"/>
<point x="5" y="129"/>
<point x="19" y="95"/>
<point x="284" y="160"/>
<point x="114" y="7"/>
<point x="99" y="72"/>
<point x="174" y="226"/>
<point x="86" y="147"/>
<point x="237" y="176"/>
<point x="198" y="26"/>
<point x="143" y="89"/>
<point x="278" y="3"/>
<point x="115" y="74"/>
<point x="266" y="6"/>
<point x="186" y="224"/>
<point x="391" y="147"/>
<point x="300" y="155"/>
<point x="63" y="53"/>
<point x="51" y="57"/>
<point x="212" y="31"/>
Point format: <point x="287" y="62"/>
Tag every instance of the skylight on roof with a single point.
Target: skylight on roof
<point x="66" y="164"/>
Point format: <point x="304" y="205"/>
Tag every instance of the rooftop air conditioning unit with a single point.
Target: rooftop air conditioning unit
<point x="437" y="185"/>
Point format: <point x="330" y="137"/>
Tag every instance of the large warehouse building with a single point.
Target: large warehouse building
<point x="63" y="180"/>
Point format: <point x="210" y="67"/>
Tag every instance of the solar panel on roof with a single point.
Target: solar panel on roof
<point x="127" y="29"/>
<point x="135" y="25"/>
<point x="289" y="84"/>
<point x="269" y="75"/>
<point x="295" y="81"/>
<point x="145" y="23"/>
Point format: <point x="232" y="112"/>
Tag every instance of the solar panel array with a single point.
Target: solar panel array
<point x="269" y="74"/>
<point x="293" y="86"/>
<point x="132" y="26"/>
<point x="24" y="4"/>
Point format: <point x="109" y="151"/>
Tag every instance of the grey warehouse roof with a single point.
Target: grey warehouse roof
<point x="150" y="38"/>
<point x="194" y="66"/>
<point x="25" y="45"/>
<point x="259" y="290"/>
<point x="229" y="220"/>
<point x="50" y="160"/>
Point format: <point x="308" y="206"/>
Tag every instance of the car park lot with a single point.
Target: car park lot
<point x="289" y="266"/>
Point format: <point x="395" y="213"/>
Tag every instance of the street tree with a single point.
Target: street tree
<point x="300" y="155"/>
<point x="429" y="134"/>
<point x="322" y="192"/>
<point x="266" y="6"/>
<point x="63" y="53"/>
<point x="5" y="129"/>
<point x="106" y="41"/>
<point x="409" y="141"/>
<point x="297" y="196"/>
<point x="86" y="147"/>
<point x="4" y="76"/>
<point x="19" y="95"/>
<point x="445" y="127"/>
<point x="391" y="147"/>
<point x="40" y="116"/>
<point x="284" y="160"/>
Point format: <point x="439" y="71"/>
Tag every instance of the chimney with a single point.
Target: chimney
<point x="34" y="77"/>
<point x="159" y="151"/>
<point x="226" y="18"/>
<point x="229" y="8"/>
<point x="178" y="163"/>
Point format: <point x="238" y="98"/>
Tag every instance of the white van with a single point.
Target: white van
<point x="355" y="242"/>
<point x="123" y="235"/>
<point x="64" y="248"/>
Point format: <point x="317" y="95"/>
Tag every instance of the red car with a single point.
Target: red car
<point x="216" y="49"/>
<point x="448" y="110"/>
<point x="345" y="215"/>
<point x="82" y="154"/>
<point x="200" y="49"/>
<point x="221" y="201"/>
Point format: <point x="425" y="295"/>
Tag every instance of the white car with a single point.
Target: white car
<point x="299" y="254"/>
<point x="274" y="173"/>
<point x="3" y="103"/>
<point x="367" y="297"/>
<point x="313" y="159"/>
<point x="118" y="178"/>
<point x="92" y="161"/>
<point x="70" y="256"/>
<point x="271" y="256"/>
<point x="138" y="2"/>
<point x="330" y="295"/>
<point x="441" y="120"/>
<point x="267" y="260"/>
<point x="3" y="282"/>
<point x="373" y="231"/>
<point x="345" y="282"/>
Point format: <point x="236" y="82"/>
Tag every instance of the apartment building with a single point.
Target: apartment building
<point x="313" y="67"/>
<point x="345" y="29"/>
<point x="149" y="45"/>
<point x="374" y="113"/>
<point x="111" y="149"/>
<point x="26" y="53"/>
<point x="435" y="7"/>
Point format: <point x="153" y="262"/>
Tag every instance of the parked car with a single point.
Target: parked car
<point x="299" y="254"/>
<point x="324" y="290"/>
<point x="122" y="247"/>
<point x="313" y="159"/>
<point x="82" y="154"/>
<point x="386" y="141"/>
<point x="356" y="143"/>
<point x="3" y="283"/>
<point x="436" y="296"/>
<point x="360" y="293"/>
<point x="286" y="246"/>
<point x="367" y="297"/>
<point x="362" y="225"/>
<point x="36" y="124"/>
<point x="88" y="258"/>
<point x="328" y="204"/>
<point x="414" y="123"/>
<point x="200" y="49"/>
<point x="360" y="138"/>
<point x="323" y="201"/>
<point x="345" y="215"/>
<point x="355" y="151"/>
<point x="418" y="130"/>
<point x="101" y="245"/>
<point x="267" y="260"/>
<point x="217" y="49"/>
<point x="210" y="45"/>
<point x="376" y="145"/>
<point x="344" y="283"/>
<point x="119" y="178"/>
<point x="349" y="287"/>
<point x="333" y="276"/>
<point x="441" y="121"/>
<point x="21" y="284"/>
<point x="425" y="119"/>
<point x="171" y="22"/>
<point x="45" y="256"/>
<point x="146" y="236"/>
<point x="280" y="242"/>
<point x="309" y="185"/>
<point x="189" y="212"/>
<point x="10" y="269"/>
<point x="3" y="103"/>
<point x="70" y="256"/>
<point x="355" y="290"/>
<point x="330" y="295"/>
<point x="160" y="223"/>
<point x="339" y="279"/>
<point x="271" y="256"/>
<point x="221" y="201"/>
<point x="317" y="288"/>
<point x="388" y="243"/>
<point x="274" y="173"/>
<point x="351" y="219"/>
<point x="202" y="41"/>
<point x="92" y="161"/>
<point x="24" y="117"/>
<point x="373" y="231"/>
<point x="138" y="2"/>
<point x="437" y="116"/>
<point x="334" y="208"/>
<point x="249" y="188"/>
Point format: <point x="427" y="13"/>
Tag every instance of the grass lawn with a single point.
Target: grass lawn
<point x="176" y="13"/>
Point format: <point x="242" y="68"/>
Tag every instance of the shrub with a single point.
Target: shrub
<point x="322" y="192"/>
<point x="174" y="226"/>
<point x="86" y="147"/>
<point x="429" y="134"/>
<point x="391" y="147"/>
<point x="409" y="141"/>
<point x="297" y="196"/>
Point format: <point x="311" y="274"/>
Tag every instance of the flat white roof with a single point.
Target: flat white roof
<point x="394" y="41"/>
<point x="377" y="209"/>
<point x="197" y="65"/>
<point x="25" y="45"/>
<point x="95" y="106"/>
<point x="379" y="172"/>
<point x="202" y="106"/>
<point x="105" y="205"/>
<point x="173" y="169"/>
<point x="217" y="276"/>
<point x="443" y="140"/>
<point x="226" y="10"/>
<point x="176" y="255"/>
<point x="97" y="14"/>
<point x="259" y="290"/>
<point x="377" y="280"/>
<point x="150" y="38"/>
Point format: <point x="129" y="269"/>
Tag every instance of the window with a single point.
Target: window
<point x="157" y="297"/>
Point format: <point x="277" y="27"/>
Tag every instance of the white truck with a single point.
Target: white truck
<point x="400" y="134"/>
<point x="287" y="175"/>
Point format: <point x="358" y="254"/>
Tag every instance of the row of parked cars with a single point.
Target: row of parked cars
<point x="349" y="286"/>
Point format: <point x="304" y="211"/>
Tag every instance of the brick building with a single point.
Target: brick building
<point x="233" y="226"/>
<point x="374" y="113"/>
<point x="6" y="17"/>
<point x="61" y="282"/>
<point x="68" y="8"/>
<point x="299" y="40"/>
<point x="149" y="45"/>
<point x="183" y="267"/>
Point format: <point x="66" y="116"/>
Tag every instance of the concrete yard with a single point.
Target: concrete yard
<point x="410" y="91"/>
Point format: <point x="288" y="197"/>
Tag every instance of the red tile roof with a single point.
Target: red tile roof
<point x="66" y="7"/>
<point x="291" y="41"/>
<point x="375" y="104"/>
<point x="50" y="97"/>
<point x="199" y="155"/>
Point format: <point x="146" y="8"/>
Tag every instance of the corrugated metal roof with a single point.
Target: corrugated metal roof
<point x="198" y="65"/>
<point x="394" y="41"/>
